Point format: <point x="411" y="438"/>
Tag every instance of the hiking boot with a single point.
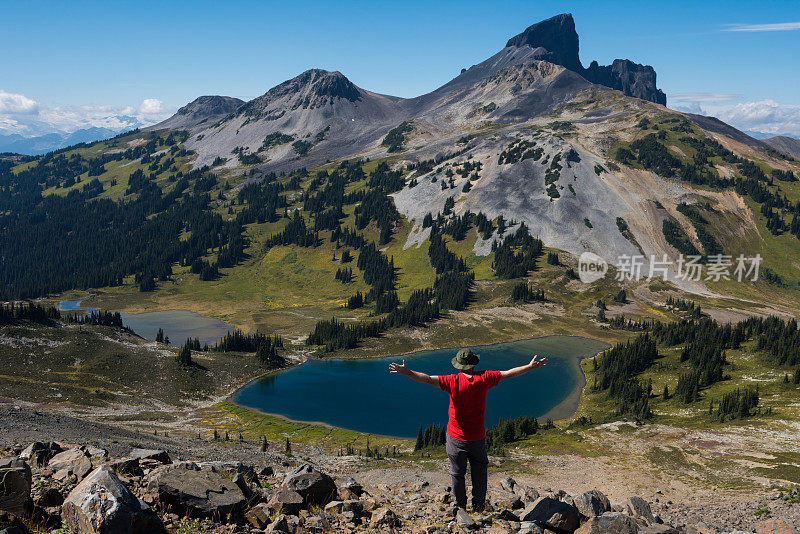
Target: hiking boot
<point x="482" y="507"/>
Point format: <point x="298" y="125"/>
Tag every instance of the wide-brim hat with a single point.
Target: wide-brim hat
<point x="465" y="359"/>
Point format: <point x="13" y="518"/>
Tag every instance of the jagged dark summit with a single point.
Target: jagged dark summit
<point x="558" y="43"/>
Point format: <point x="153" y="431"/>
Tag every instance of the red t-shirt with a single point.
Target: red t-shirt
<point x="468" y="403"/>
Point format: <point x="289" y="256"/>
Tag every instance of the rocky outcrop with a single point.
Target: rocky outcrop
<point x="237" y="497"/>
<point x="633" y="79"/>
<point x="102" y="504"/>
<point x="558" y="41"/>
<point x="557" y="36"/>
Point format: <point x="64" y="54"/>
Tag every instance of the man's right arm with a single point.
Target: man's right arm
<point x="535" y="363"/>
<point x="402" y="369"/>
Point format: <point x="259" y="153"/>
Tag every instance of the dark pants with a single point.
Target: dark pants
<point x="459" y="453"/>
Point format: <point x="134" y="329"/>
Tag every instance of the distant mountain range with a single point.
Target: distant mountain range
<point x="42" y="144"/>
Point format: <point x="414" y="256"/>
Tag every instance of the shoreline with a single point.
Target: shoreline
<point x="565" y="409"/>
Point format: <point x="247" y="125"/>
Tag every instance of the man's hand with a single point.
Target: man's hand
<point x="537" y="362"/>
<point x="402" y="369"/>
<point x="399" y="368"/>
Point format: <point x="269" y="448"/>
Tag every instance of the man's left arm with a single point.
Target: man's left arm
<point x="402" y="369"/>
<point x="535" y="363"/>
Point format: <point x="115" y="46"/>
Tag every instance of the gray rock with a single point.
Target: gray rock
<point x="96" y="452"/>
<point x="101" y="504"/>
<point x="592" y="503"/>
<point x="464" y="520"/>
<point x="334" y="507"/>
<point x="384" y="517"/>
<point x="71" y="461"/>
<point x="151" y="454"/>
<point x="186" y="489"/>
<point x="315" y="487"/>
<point x="638" y="507"/>
<point x="508" y="484"/>
<point x="526" y="493"/>
<point x="612" y="523"/>
<point x="286" y="501"/>
<point x="279" y="525"/>
<point x="555" y="514"/>
<point x="15" y="485"/>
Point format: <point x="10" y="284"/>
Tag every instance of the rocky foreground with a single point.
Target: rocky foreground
<point x="79" y="489"/>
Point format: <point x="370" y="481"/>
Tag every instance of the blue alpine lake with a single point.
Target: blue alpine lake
<point x="360" y="394"/>
<point x="178" y="325"/>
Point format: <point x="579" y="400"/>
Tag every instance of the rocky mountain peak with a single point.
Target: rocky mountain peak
<point x="555" y="40"/>
<point x="557" y="35"/>
<point x="209" y="105"/>
<point x="318" y="82"/>
<point x="311" y="89"/>
<point x="199" y="111"/>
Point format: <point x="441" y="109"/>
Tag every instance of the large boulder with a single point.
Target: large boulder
<point x="15" y="485"/>
<point x="73" y="461"/>
<point x="552" y="513"/>
<point x="185" y="489"/>
<point x="315" y="487"/>
<point x="612" y="523"/>
<point x="101" y="504"/>
<point x="592" y="503"/>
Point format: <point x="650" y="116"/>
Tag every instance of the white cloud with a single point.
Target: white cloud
<point x="13" y="103"/>
<point x="704" y="97"/>
<point x="765" y="116"/>
<point x="690" y="107"/>
<point x="25" y="116"/>
<point x="151" y="106"/>
<point x="777" y="27"/>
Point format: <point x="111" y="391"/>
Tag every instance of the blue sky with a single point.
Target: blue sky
<point x="63" y="60"/>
